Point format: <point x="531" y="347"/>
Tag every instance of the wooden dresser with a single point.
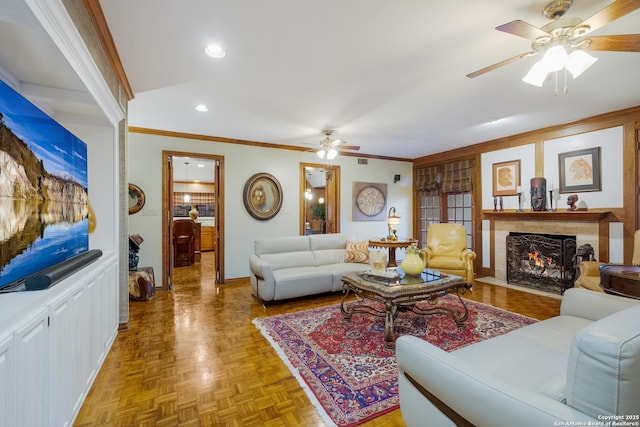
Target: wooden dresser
<point x="621" y="280"/>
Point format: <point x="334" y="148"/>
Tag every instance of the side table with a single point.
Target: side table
<point x="392" y="245"/>
<point x="621" y="280"/>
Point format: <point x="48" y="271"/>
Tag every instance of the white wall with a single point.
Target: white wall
<point x="145" y="170"/>
<point x="610" y="142"/>
<point x="526" y="154"/>
<point x="103" y="184"/>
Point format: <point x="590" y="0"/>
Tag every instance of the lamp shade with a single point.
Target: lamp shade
<point x="392" y="218"/>
<point x="578" y="62"/>
<point x="536" y="75"/>
<point x="555" y="58"/>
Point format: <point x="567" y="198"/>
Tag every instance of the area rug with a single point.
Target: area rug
<point x="344" y="367"/>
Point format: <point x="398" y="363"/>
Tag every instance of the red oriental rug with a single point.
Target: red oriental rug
<point x="344" y="367"/>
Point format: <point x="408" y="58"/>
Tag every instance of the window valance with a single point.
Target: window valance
<point x="457" y="177"/>
<point x="427" y="180"/>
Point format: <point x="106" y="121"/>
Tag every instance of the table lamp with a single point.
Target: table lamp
<point x="393" y="221"/>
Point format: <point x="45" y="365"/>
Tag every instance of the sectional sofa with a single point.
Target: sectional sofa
<point x="579" y="368"/>
<point x="296" y="266"/>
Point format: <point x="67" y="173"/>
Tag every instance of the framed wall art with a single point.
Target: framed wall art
<point x="506" y="178"/>
<point x="262" y="196"/>
<point x="580" y="170"/>
<point x="369" y="201"/>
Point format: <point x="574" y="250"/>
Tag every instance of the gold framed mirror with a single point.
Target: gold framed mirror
<point x="136" y="199"/>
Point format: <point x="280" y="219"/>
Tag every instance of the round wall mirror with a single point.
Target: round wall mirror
<point x="136" y="199"/>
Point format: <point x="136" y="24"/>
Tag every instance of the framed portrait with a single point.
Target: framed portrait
<point x="580" y="170"/>
<point x="506" y="178"/>
<point x="262" y="196"/>
<point x="369" y="201"/>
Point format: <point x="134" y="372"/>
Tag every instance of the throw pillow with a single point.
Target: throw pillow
<point x="357" y="252"/>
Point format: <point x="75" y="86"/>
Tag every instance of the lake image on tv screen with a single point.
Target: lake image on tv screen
<point x="44" y="206"/>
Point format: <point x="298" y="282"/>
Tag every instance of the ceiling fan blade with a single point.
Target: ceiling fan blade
<point x="619" y="43"/>
<point x="522" y="29"/>
<point x="615" y="10"/>
<point x="499" y="64"/>
<point x="349" y="147"/>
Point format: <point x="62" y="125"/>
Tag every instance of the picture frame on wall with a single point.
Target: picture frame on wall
<point x="580" y="171"/>
<point x="262" y="196"/>
<point x="369" y="201"/>
<point x="506" y="178"/>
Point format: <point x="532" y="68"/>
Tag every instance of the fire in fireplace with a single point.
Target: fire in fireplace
<point x="541" y="261"/>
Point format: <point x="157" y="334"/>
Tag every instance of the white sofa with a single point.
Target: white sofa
<point x="295" y="266"/>
<point x="581" y="366"/>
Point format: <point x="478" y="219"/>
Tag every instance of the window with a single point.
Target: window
<point x="446" y="201"/>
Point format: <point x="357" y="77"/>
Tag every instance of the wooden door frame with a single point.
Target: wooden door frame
<point x="167" y="216"/>
<point x="303" y="186"/>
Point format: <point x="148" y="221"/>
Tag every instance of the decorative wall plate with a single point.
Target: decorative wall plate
<point x="369" y="201"/>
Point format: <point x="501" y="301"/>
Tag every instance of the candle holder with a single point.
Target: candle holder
<point x="495" y="204"/>
<point x="519" y="203"/>
<point x="551" y="201"/>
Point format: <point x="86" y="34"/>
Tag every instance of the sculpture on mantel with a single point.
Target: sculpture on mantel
<point x="538" y="194"/>
<point x="571" y="201"/>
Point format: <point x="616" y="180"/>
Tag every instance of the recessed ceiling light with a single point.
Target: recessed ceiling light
<point x="215" y="51"/>
<point x="202" y="108"/>
<point x="200" y="165"/>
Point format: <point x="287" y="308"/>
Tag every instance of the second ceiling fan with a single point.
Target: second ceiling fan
<point x="564" y="40"/>
<point x="329" y="147"/>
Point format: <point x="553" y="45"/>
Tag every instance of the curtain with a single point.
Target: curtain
<point x="457" y="177"/>
<point x="427" y="181"/>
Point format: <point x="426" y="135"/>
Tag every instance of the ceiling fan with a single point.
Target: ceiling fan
<point x="329" y="147"/>
<point x="564" y="40"/>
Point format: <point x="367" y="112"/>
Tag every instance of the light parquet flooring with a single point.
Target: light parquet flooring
<point x="192" y="357"/>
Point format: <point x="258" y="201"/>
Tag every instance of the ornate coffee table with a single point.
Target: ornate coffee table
<point x="402" y="295"/>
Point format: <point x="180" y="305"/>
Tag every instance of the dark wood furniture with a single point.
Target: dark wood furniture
<point x="184" y="242"/>
<point x="621" y="280"/>
<point x="386" y="298"/>
<point x="392" y="245"/>
<point x="197" y="242"/>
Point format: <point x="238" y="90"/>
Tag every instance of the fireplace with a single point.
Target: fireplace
<point x="541" y="261"/>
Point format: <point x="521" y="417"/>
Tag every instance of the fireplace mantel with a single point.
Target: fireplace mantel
<point x="512" y="215"/>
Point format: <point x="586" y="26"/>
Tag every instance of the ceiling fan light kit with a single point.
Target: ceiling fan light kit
<point x="562" y="42"/>
<point x="554" y="60"/>
<point x="329" y="147"/>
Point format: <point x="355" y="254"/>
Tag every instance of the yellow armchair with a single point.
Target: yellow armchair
<point x="447" y="250"/>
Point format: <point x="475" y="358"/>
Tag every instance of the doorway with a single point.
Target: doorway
<point x="319" y="199"/>
<point x="192" y="187"/>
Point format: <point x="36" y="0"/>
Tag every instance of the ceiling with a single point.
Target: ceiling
<point x="387" y="76"/>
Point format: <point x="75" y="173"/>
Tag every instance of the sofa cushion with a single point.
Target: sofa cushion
<point x="289" y="260"/>
<point x="328" y="241"/>
<point x="357" y="252"/>
<point x="328" y="256"/>
<point x="603" y="376"/>
<point x="271" y="245"/>
<point x="533" y="357"/>
<point x="301" y="281"/>
<point x="339" y="269"/>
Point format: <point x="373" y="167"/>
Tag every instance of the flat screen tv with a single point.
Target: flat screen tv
<point x="44" y="205"/>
